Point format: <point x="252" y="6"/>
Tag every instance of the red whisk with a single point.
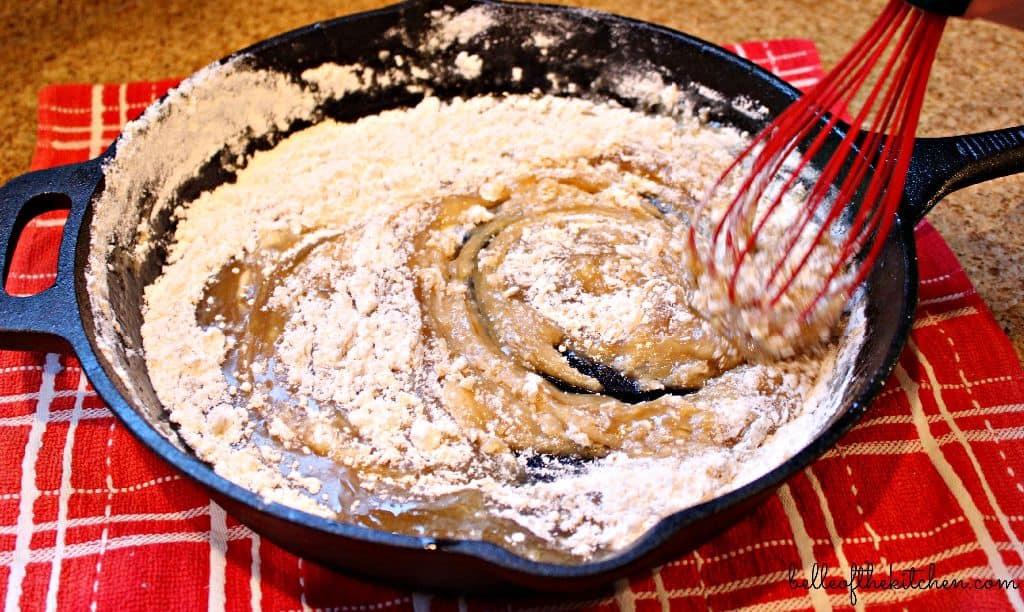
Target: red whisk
<point x="777" y="249"/>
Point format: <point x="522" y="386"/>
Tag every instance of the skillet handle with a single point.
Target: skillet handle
<point x="41" y="321"/>
<point x="940" y="166"/>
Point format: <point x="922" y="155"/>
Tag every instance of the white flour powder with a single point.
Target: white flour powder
<point x="356" y="406"/>
<point x="370" y="388"/>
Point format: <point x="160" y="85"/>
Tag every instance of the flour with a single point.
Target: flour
<point x="450" y="27"/>
<point x="351" y="347"/>
<point x="337" y="80"/>
<point x="350" y="411"/>
<point x="469" y="65"/>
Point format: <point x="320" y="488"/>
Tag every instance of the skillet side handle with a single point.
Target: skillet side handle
<point x="940" y="166"/>
<point x="47" y="320"/>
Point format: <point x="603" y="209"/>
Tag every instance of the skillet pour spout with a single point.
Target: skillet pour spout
<point x="99" y="256"/>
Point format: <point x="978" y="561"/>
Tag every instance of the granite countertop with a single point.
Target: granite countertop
<point x="977" y="83"/>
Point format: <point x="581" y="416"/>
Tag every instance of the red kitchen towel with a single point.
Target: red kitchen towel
<point x="930" y="482"/>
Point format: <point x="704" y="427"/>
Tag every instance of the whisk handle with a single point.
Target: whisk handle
<point x="953" y="8"/>
<point x="940" y="166"/>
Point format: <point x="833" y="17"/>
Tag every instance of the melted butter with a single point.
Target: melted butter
<point x="236" y="301"/>
<point x="489" y="319"/>
<point x="516" y="356"/>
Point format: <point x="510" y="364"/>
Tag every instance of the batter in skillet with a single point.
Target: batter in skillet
<point x="468" y="319"/>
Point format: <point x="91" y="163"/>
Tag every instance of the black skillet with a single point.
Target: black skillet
<point x="601" y="47"/>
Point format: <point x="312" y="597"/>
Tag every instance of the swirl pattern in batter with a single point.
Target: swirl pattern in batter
<point x="468" y="319"/>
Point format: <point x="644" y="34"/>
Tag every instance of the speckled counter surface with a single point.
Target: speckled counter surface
<point x="977" y="83"/>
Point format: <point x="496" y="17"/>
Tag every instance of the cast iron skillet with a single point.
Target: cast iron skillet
<point x="601" y="47"/>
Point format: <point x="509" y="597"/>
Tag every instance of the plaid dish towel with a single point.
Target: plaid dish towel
<point x="932" y="479"/>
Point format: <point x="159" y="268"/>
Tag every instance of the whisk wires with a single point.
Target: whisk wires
<point x="852" y="202"/>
